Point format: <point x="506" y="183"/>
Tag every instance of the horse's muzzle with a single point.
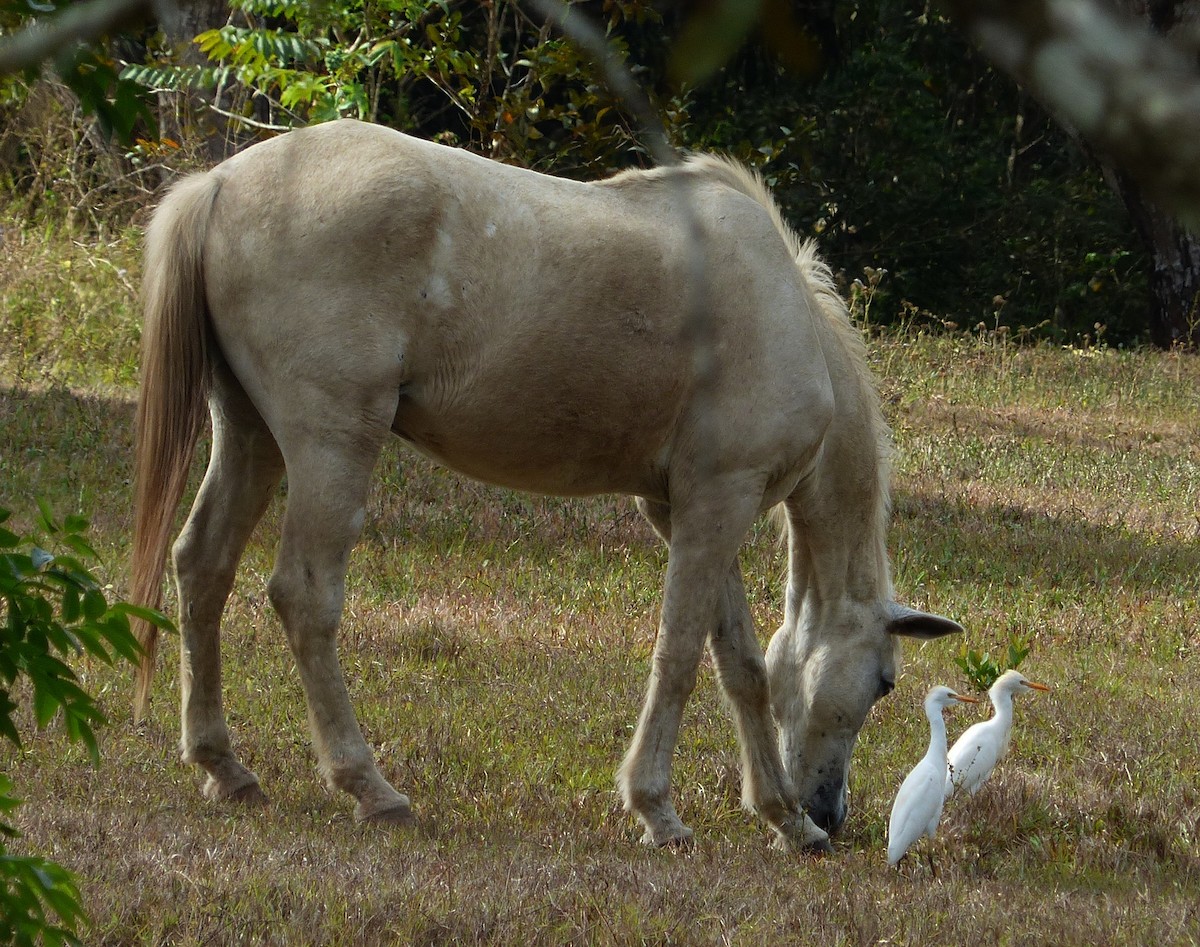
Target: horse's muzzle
<point x="828" y="807"/>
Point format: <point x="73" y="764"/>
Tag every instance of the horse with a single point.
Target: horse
<point x="330" y="287"/>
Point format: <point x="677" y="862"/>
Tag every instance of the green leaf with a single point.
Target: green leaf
<point x="46" y="702"/>
<point x="70" y="605"/>
<point x="79" y="731"/>
<point x="94" y="604"/>
<point x="153" y="616"/>
<point x="75" y="523"/>
<point x="214" y="44"/>
<point x="78" y="545"/>
<point x="46" y="519"/>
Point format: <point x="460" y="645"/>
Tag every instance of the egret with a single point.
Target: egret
<point x="918" y="806"/>
<point x="976" y="753"/>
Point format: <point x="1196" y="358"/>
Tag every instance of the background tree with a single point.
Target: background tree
<point x="1173" y="248"/>
<point x="1124" y="75"/>
<point x="896" y="143"/>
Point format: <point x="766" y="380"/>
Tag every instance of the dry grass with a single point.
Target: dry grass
<point x="497" y="647"/>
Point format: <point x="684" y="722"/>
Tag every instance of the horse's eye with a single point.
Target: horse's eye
<point x="885" y="687"/>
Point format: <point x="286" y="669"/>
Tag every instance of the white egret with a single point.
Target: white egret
<point x="918" y="806"/>
<point x="976" y="753"/>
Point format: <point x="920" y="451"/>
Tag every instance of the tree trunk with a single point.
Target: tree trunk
<point x="1134" y="96"/>
<point x="1174" y="279"/>
<point x="188" y="114"/>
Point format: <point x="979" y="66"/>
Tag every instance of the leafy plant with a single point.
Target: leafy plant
<point x="87" y="70"/>
<point x="52" y="609"/>
<point x="482" y="75"/>
<point x="980" y="668"/>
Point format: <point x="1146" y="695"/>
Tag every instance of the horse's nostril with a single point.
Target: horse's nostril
<point x="828" y="819"/>
<point x="828" y="809"/>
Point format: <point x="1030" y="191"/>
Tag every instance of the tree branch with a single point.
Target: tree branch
<point x="78" y="23"/>
<point x="1134" y="95"/>
<point x="698" y="327"/>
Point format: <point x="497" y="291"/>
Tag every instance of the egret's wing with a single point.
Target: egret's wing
<point x="974" y="756"/>
<point x="918" y="803"/>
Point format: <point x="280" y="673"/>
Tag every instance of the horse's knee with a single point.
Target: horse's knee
<point x="203" y="583"/>
<point x="746" y="680"/>
<point x="284" y="592"/>
<point x="741" y="667"/>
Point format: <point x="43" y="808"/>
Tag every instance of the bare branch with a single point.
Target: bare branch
<point x="584" y="34"/>
<point x="698" y="324"/>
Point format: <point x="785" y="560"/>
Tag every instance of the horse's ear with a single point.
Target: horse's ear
<point x="922" y="625"/>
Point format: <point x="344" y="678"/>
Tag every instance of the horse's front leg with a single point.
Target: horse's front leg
<point x="703" y="539"/>
<point x="766" y="789"/>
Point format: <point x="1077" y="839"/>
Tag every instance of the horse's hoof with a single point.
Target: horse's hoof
<point x="677" y="839"/>
<point x="818" y="848"/>
<point x="248" y="793"/>
<point x="805" y="839"/>
<point x="396" y="813"/>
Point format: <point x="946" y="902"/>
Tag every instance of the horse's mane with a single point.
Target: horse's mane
<point x="818" y="277"/>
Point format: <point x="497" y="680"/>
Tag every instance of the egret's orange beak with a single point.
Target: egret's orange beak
<point x="1037" y="687"/>
<point x="966" y="700"/>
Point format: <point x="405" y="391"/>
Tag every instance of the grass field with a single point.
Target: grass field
<point x="497" y="646"/>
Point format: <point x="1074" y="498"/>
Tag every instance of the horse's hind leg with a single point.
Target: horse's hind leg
<point x="243" y="470"/>
<point x="329" y="468"/>
<point x="741" y="671"/>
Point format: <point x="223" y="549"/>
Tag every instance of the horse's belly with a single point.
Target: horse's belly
<point x="537" y="455"/>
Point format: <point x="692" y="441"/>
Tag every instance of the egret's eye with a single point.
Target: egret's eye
<point x="885" y="687"/>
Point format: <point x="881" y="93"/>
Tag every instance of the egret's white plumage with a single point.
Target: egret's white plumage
<point x="918" y="805"/>
<point x="976" y="753"/>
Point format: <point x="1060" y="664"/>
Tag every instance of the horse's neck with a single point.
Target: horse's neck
<point x="832" y="563"/>
<point x="837" y="517"/>
<point x="841" y="550"/>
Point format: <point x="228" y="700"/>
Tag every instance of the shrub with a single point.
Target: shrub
<point x="52" y="610"/>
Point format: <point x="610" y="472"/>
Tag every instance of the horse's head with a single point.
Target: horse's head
<point x="826" y="671"/>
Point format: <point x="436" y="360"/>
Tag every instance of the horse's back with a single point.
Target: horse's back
<point x="529" y="328"/>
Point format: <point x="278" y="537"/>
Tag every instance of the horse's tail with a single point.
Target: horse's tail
<point x="175" y="378"/>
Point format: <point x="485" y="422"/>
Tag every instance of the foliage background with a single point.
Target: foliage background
<point x="896" y="144"/>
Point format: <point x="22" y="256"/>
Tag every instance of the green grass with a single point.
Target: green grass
<point x="497" y="647"/>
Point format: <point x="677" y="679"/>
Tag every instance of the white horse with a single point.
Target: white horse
<point x="335" y="285"/>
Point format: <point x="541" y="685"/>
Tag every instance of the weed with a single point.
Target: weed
<point x="981" y="670"/>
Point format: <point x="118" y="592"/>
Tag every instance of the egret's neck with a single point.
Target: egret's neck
<point x="1003" y="704"/>
<point x="937" y="737"/>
